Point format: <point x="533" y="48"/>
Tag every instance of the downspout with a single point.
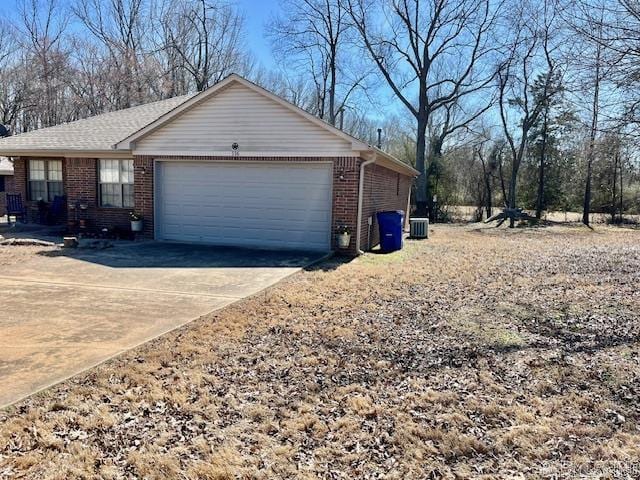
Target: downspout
<point x="360" y="200"/>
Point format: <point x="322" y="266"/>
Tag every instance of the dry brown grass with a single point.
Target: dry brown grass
<point x="477" y="354"/>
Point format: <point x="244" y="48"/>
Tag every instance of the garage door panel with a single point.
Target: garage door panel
<point x="221" y="221"/>
<point x="256" y="204"/>
<point x="265" y="214"/>
<point x="220" y="224"/>
<point x="283" y="205"/>
<point x="217" y="190"/>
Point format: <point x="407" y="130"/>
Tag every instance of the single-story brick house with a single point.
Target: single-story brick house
<point x="233" y="165"/>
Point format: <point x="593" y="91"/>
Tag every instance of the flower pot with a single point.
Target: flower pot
<point x="136" y="225"/>
<point x="344" y="239"/>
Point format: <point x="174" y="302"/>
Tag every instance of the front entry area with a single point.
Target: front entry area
<point x="283" y="205"/>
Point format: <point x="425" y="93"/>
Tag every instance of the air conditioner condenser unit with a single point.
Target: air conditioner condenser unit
<point x="419" y="227"/>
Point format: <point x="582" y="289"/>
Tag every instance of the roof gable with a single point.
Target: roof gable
<point x="238" y="111"/>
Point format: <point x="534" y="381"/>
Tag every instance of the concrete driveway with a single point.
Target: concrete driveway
<point x="64" y="311"/>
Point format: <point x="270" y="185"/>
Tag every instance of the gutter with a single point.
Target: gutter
<point x="360" y="200"/>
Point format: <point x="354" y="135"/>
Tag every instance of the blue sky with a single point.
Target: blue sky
<point x="257" y="13"/>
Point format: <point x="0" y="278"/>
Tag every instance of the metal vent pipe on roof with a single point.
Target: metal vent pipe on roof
<point x="379" y="144"/>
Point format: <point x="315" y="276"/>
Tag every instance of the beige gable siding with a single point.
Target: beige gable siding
<point x="239" y="114"/>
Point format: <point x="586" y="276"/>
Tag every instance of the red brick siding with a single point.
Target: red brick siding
<point x="345" y="187"/>
<point x="8" y="183"/>
<point x="143" y="188"/>
<point x="82" y="187"/>
<point x="19" y="177"/>
<point x="346" y="173"/>
<point x="384" y="189"/>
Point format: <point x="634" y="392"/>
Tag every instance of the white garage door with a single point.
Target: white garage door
<point x="265" y="205"/>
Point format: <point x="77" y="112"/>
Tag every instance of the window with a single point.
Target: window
<point x="116" y="183"/>
<point x="45" y="179"/>
<point x="2" y="187"/>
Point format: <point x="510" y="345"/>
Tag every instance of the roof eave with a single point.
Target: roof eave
<point x="390" y="161"/>
<point x="67" y="153"/>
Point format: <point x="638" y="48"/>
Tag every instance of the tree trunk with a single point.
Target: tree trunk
<point x="502" y="184"/>
<point x="332" y="87"/>
<point x="586" y="207"/>
<point x="488" y="196"/>
<point x="435" y="153"/>
<point x="621" y="193"/>
<point x="422" y="181"/>
<point x="543" y="153"/>
<point x="614" y="195"/>
<point x="512" y="198"/>
<point x="513" y="182"/>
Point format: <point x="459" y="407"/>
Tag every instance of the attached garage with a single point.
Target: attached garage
<point x="233" y="165"/>
<point x="251" y="204"/>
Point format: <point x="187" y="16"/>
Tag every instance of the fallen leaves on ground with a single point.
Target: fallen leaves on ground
<point x="480" y="353"/>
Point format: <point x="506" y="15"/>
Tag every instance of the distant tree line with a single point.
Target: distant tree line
<point x="498" y="103"/>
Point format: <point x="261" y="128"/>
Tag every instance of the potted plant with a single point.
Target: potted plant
<point x="343" y="236"/>
<point x="136" y="222"/>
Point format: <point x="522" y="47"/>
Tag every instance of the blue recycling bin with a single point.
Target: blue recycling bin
<point x="391" y="227"/>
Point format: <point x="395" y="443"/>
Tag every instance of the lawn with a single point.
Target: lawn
<point x="480" y="353"/>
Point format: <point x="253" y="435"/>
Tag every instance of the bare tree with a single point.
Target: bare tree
<point x="204" y="38"/>
<point x="431" y="54"/>
<point x="487" y="152"/>
<point x="91" y="85"/>
<point x="43" y="24"/>
<point x="588" y="23"/>
<point x="315" y="36"/>
<point x="11" y="96"/>
<point x="297" y="89"/>
<point x="593" y="130"/>
<point x="8" y="44"/>
<point x="523" y="93"/>
<point x="119" y="27"/>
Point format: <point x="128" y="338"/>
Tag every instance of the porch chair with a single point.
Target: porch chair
<point x="57" y="209"/>
<point x="15" y="207"/>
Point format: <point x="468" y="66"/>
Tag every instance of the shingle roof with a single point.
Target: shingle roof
<point x="6" y="167"/>
<point x="97" y="133"/>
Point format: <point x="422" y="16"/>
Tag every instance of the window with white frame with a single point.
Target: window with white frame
<point x="116" y="183"/>
<point x="45" y="180"/>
